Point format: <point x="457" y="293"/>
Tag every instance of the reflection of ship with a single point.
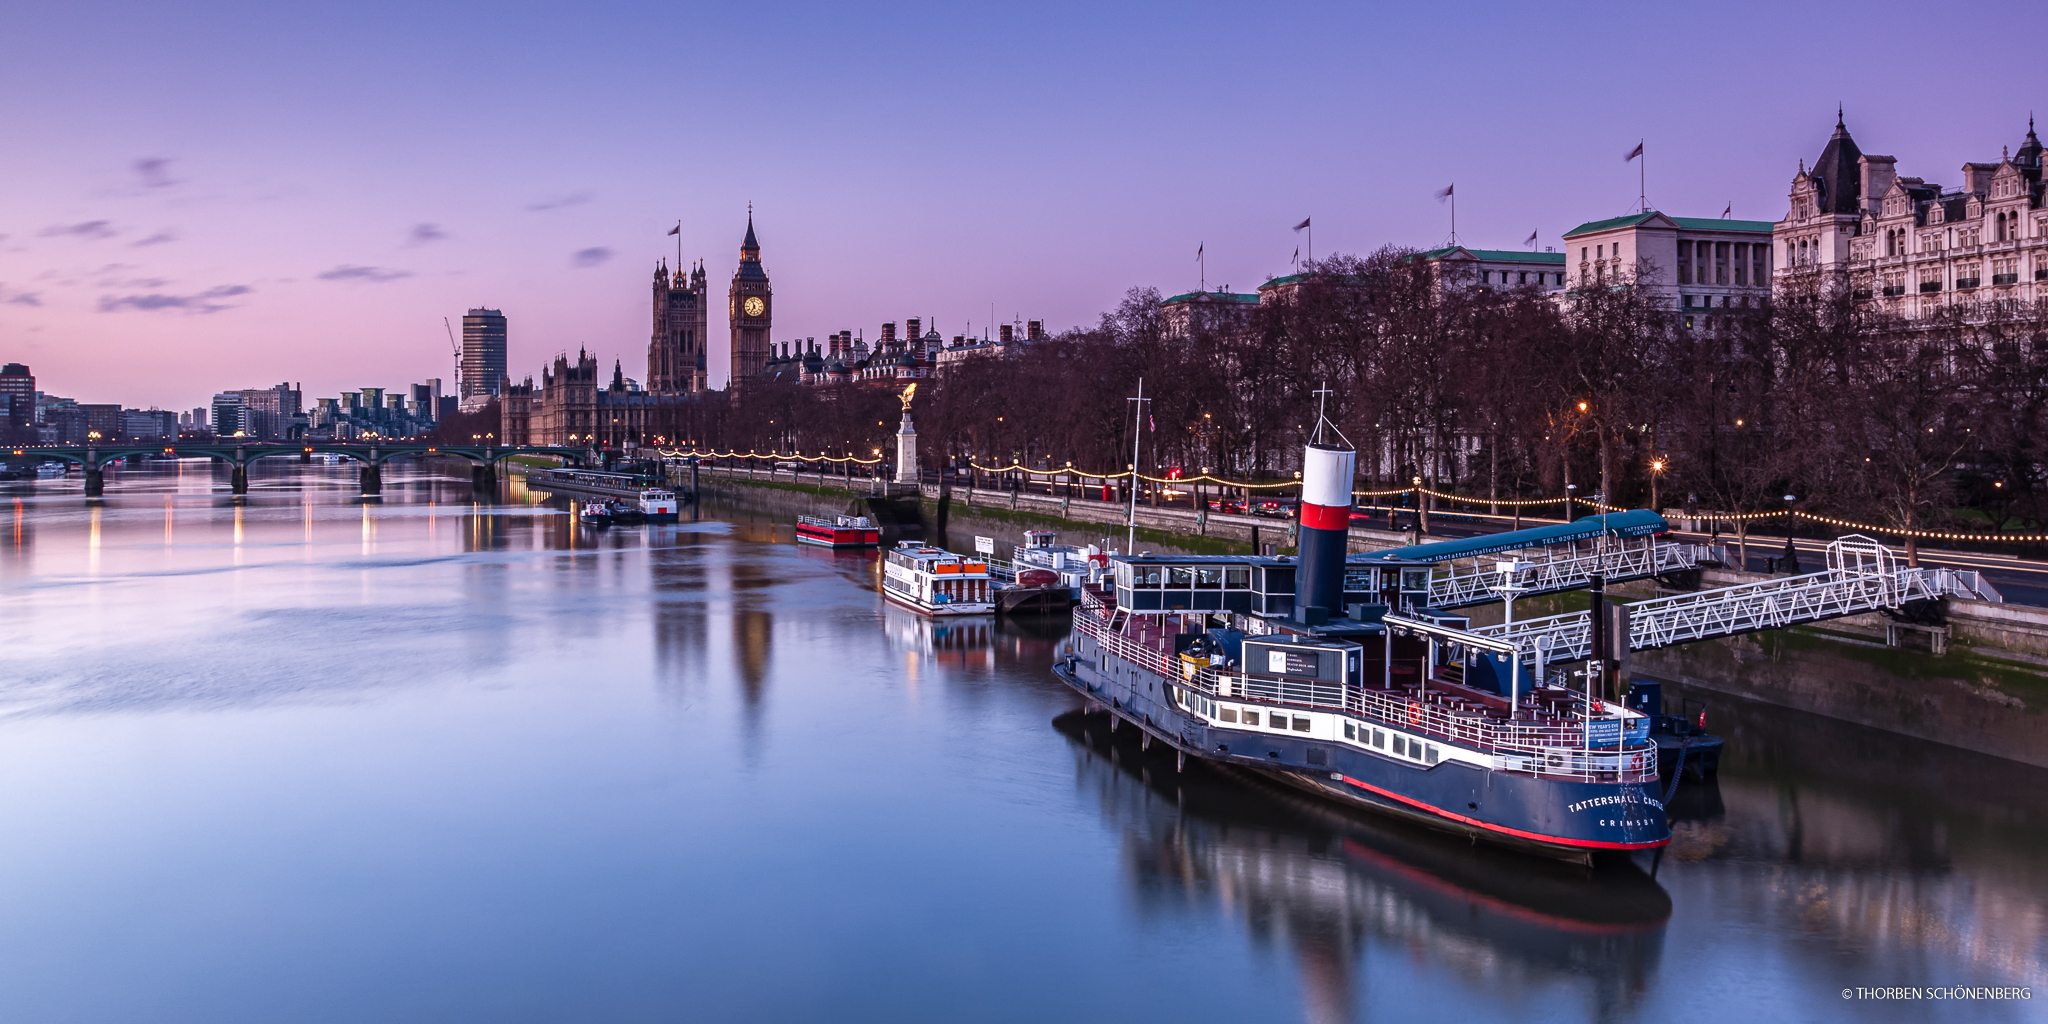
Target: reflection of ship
<point x="1335" y="885"/>
<point x="969" y="641"/>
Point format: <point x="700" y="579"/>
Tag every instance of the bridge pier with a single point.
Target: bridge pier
<point x="372" y="479"/>
<point x="95" y="481"/>
<point x="238" y="483"/>
<point x="484" y="477"/>
<point x="306" y="457"/>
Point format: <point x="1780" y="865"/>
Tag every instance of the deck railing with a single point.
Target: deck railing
<point x="1556" y="748"/>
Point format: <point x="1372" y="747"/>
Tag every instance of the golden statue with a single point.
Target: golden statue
<point x="906" y="396"/>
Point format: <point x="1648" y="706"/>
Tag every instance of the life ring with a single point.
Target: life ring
<point x="1414" y="713"/>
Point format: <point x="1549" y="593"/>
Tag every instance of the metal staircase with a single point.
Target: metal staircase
<point x="1862" y="576"/>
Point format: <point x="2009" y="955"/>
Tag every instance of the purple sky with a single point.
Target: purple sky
<point x="210" y="195"/>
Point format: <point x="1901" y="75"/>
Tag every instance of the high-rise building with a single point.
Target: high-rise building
<point x="751" y="307"/>
<point x="102" y="418"/>
<point x="269" y="413"/>
<point x="228" y="416"/>
<point x="18" y="393"/>
<point x="682" y="317"/>
<point x="483" y="352"/>
<point x="149" y="424"/>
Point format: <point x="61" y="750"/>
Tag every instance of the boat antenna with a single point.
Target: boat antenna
<point x="1137" y="433"/>
<point x="1322" y="401"/>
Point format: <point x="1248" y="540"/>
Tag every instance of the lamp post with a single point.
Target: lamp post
<point x="1790" y="563"/>
<point x="1656" y="470"/>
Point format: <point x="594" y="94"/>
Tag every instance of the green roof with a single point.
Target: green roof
<point x="1638" y="522"/>
<point x="1211" y="296"/>
<point x="1688" y="223"/>
<point x="1498" y="255"/>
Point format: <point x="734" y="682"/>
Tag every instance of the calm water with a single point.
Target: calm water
<point x="308" y="759"/>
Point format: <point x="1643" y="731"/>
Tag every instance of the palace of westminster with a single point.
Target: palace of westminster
<point x="1911" y="246"/>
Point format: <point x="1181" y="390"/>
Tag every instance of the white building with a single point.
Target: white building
<point x="1696" y="264"/>
<point x="1914" y="245"/>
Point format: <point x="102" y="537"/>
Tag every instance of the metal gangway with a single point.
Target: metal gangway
<point x="1545" y="559"/>
<point x="1862" y="576"/>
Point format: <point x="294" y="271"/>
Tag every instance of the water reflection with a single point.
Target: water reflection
<point x="1326" y="884"/>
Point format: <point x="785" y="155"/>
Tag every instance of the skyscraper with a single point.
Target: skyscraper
<point x="483" y="353"/>
<point x="17" y="394"/>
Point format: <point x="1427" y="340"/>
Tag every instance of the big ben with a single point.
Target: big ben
<point x="750" y="304"/>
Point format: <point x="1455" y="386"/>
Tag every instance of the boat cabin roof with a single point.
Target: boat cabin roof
<point x="1639" y="522"/>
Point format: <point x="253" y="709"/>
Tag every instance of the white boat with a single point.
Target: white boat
<point x="659" y="505"/>
<point x="936" y="581"/>
<point x="327" y="458"/>
<point x="1075" y="566"/>
<point x="52" y="470"/>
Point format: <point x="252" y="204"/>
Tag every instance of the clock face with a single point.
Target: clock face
<point x="754" y="306"/>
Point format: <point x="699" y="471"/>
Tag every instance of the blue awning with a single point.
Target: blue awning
<point x="1640" y="522"/>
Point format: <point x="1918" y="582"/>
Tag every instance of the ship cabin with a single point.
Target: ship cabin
<point x="1172" y="584"/>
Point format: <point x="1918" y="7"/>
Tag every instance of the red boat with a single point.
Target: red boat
<point x="838" y="532"/>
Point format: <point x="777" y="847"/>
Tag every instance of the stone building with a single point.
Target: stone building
<point x="676" y="352"/>
<point x="569" y="407"/>
<point x="751" y="308"/>
<point x="1910" y="244"/>
<point x="1704" y="267"/>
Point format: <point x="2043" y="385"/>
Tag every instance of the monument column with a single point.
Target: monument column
<point x="906" y="443"/>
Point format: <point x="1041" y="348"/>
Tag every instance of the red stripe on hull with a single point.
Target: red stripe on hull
<point x="1584" y="844"/>
<point x="1325" y="517"/>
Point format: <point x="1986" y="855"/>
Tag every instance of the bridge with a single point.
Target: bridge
<point x="1862" y="576"/>
<point x="1546" y="559"/>
<point x="373" y="454"/>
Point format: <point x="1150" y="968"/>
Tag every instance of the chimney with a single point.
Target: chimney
<point x="1877" y="173"/>
<point x="889" y="331"/>
<point x="1326" y="472"/>
<point x="911" y="333"/>
<point x="1034" y="330"/>
<point x="1003" y="335"/>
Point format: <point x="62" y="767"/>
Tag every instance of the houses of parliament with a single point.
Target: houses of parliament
<point x="570" y="406"/>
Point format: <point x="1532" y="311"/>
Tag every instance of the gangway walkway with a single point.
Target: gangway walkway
<point x="1862" y="576"/>
<point x="1562" y="556"/>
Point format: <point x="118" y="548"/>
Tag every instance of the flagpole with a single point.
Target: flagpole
<point x="1642" y="178"/>
<point x="1137" y="434"/>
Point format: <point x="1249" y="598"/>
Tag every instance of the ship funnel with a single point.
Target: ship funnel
<point x="1326" y="474"/>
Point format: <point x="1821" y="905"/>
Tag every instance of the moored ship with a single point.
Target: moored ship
<point x="838" y="531"/>
<point x="936" y="581"/>
<point x="1269" y="663"/>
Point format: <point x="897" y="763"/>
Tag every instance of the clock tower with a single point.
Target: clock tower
<point x="750" y="304"/>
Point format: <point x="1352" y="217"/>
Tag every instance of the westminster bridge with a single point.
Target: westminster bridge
<point x="482" y="458"/>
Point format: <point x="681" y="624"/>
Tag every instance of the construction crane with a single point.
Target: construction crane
<point x="454" y="350"/>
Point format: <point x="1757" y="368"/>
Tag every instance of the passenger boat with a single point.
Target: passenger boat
<point x="1268" y="663"/>
<point x="936" y="581"/>
<point x="623" y="512"/>
<point x="838" y="531"/>
<point x="595" y="513"/>
<point x="1072" y="566"/>
<point x="659" y="505"/>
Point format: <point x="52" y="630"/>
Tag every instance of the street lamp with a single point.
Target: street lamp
<point x="1656" y="470"/>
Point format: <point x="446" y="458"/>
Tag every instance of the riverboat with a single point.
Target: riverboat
<point x="659" y="505"/>
<point x="595" y="513"/>
<point x="838" y="531"/>
<point x="935" y="581"/>
<point x="627" y="486"/>
<point x="1072" y="566"/>
<point x="1274" y="664"/>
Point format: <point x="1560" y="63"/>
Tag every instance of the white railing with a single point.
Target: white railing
<point x="1552" y="749"/>
<point x="1625" y="563"/>
<point x="1862" y="576"/>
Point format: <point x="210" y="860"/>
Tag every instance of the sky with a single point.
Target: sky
<point x="202" y="196"/>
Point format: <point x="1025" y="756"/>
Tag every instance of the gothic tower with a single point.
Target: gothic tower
<point x="682" y="317"/>
<point x="750" y="305"/>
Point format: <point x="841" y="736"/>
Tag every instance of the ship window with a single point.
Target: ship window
<point x="1179" y="577"/>
<point x="1237" y="579"/>
<point x="1209" y="579"/>
<point x="1251" y="718"/>
<point x="1350" y="731"/>
<point x="1379" y="739"/>
<point x="1301" y="725"/>
<point x="1228" y="714"/>
<point x="1429" y="753"/>
<point x="1105" y="664"/>
<point x="1147" y="576"/>
<point x="1401" y="746"/>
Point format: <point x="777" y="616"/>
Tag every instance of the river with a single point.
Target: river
<point x="307" y="757"/>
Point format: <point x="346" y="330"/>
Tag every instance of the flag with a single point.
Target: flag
<point x="1633" y="153"/>
<point x="1153" y="422"/>
<point x="1303" y="224"/>
<point x="1198" y="250"/>
<point x="677" y="230"/>
<point x="1446" y="192"/>
<point x="1531" y="240"/>
<point x="1297" y="254"/>
<point x="1725" y="213"/>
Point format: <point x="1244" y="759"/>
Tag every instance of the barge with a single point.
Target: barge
<point x="1275" y="664"/>
<point x="838" y="532"/>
